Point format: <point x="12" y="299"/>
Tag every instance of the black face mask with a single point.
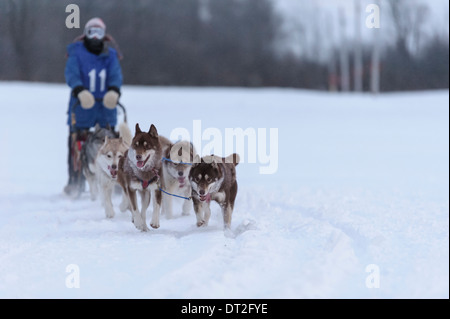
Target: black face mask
<point x="94" y="45"/>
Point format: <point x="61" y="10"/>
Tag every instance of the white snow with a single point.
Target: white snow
<point x="361" y="180"/>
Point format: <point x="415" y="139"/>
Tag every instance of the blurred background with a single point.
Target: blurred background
<point x="320" y="45"/>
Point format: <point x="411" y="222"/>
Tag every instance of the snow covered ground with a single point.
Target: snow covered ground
<point x="358" y="207"/>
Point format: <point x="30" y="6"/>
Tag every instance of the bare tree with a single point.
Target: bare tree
<point x="375" y="64"/>
<point x="344" y="63"/>
<point x="375" y="59"/>
<point x="358" y="56"/>
<point x="408" y="18"/>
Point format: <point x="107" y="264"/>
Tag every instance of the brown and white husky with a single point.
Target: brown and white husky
<point x="214" y="178"/>
<point x="139" y="171"/>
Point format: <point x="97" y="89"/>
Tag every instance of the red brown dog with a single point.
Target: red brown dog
<point x="139" y="171"/>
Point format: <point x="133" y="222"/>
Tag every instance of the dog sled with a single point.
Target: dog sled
<point x="78" y="142"/>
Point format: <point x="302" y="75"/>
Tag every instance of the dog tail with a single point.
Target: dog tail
<point x="125" y="133"/>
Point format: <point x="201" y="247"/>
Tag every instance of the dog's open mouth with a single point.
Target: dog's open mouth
<point x="182" y="181"/>
<point x="141" y="164"/>
<point x="113" y="172"/>
<point x="204" y="198"/>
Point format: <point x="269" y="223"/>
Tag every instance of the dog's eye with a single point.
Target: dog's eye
<point x="197" y="179"/>
<point x="109" y="156"/>
<point x="120" y="156"/>
<point x="209" y="179"/>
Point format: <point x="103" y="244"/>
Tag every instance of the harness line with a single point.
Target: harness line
<point x="186" y="198"/>
<point x="175" y="195"/>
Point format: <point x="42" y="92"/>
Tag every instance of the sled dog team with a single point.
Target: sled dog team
<point x="149" y="164"/>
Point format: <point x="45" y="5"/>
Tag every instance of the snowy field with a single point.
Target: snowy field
<point x="358" y="206"/>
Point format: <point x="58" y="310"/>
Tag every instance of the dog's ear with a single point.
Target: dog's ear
<point x="167" y="155"/>
<point x="192" y="153"/>
<point x="97" y="128"/>
<point x="108" y="127"/>
<point x="197" y="160"/>
<point x="207" y="159"/>
<point x="138" y="129"/>
<point x="232" y="159"/>
<point x="236" y="159"/>
<point x="153" y="132"/>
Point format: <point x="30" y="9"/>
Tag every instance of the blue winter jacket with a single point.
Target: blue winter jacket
<point x="96" y="73"/>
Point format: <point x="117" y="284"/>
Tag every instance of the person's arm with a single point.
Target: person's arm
<point x="114" y="83"/>
<point x="73" y="79"/>
<point x="115" y="74"/>
<point x="72" y="71"/>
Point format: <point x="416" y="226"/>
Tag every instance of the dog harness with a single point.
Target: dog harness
<point x="169" y="160"/>
<point x="150" y="181"/>
<point x="175" y="195"/>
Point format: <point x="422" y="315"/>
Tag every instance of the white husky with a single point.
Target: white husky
<point x="106" y="166"/>
<point x="176" y="166"/>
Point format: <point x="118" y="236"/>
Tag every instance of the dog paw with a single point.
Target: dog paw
<point x="155" y="225"/>
<point x="142" y="227"/>
<point x="139" y="224"/>
<point x="109" y="212"/>
<point x="202" y="223"/>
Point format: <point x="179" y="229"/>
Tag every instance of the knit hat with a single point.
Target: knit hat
<point x="95" y="28"/>
<point x="95" y="22"/>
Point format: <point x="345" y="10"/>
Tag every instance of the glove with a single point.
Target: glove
<point x="110" y="99"/>
<point x="86" y="98"/>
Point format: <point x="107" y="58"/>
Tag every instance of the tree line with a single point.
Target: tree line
<point x="199" y="43"/>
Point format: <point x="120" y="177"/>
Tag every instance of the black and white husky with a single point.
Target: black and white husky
<point x="89" y="152"/>
<point x="214" y="178"/>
